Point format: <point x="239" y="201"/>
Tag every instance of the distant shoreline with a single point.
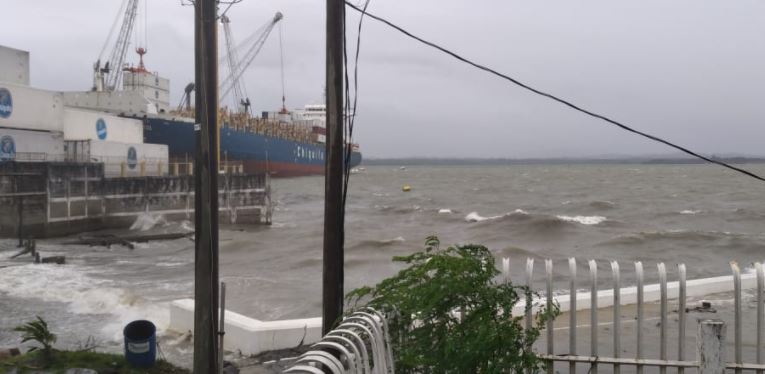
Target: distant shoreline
<point x="553" y="161"/>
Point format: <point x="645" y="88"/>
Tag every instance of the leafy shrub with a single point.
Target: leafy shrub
<point x="424" y="300"/>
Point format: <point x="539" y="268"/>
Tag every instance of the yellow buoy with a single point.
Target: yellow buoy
<point x="406" y="188"/>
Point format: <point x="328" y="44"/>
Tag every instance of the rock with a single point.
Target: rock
<point x="229" y="368"/>
<point x="60" y="260"/>
<point x="8" y="353"/>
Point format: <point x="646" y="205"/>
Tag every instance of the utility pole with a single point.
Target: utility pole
<point x="206" y="188"/>
<point x="333" y="276"/>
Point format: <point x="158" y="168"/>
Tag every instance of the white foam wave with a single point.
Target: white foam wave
<point x="445" y="211"/>
<point x="689" y="211"/>
<point x="475" y="217"/>
<point x="82" y="294"/>
<point x="147" y="221"/>
<point x="398" y="239"/>
<point x="584" y="220"/>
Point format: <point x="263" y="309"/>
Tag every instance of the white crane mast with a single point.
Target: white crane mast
<point x="260" y="37"/>
<point x="232" y="58"/>
<point x="107" y="78"/>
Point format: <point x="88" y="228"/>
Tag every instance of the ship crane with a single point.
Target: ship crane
<point x="232" y="58"/>
<point x="107" y="77"/>
<point x="251" y="47"/>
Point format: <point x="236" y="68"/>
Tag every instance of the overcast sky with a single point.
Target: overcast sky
<point x="691" y="71"/>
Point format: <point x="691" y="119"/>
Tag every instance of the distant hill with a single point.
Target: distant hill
<point x="555" y="161"/>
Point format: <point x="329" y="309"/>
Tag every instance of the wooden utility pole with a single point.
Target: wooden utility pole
<point x="332" y="286"/>
<point x="206" y="188"/>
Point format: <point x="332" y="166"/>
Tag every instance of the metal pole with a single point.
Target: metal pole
<point x="222" y="326"/>
<point x="206" y="189"/>
<point x="333" y="276"/>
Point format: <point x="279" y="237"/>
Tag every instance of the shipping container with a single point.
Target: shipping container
<point x="83" y="124"/>
<point x="28" y="108"/>
<point x="14" y="66"/>
<point x="120" y="159"/>
<point x="24" y="145"/>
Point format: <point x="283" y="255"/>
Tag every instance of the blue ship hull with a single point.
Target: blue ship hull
<point x="258" y="153"/>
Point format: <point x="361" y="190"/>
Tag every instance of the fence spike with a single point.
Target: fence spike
<point x="617" y="313"/>
<point x="506" y="269"/>
<point x="572" y="313"/>
<point x="594" y="313"/>
<point x="663" y="311"/>
<point x="681" y="316"/>
<point x="529" y="299"/>
<point x="737" y="313"/>
<point x="639" y="276"/>
<point x="550" y="322"/>
<point x="760" y="312"/>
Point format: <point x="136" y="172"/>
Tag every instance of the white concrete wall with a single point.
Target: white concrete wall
<point x="249" y="335"/>
<point x="252" y="336"/>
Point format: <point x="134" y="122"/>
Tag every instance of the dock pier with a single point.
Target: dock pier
<point x="45" y="199"/>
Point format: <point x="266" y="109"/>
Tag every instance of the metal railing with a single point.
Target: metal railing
<point x="356" y="344"/>
<point x="359" y="345"/>
<point x="708" y="331"/>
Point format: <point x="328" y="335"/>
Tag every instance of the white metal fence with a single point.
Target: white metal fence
<point x="708" y="330"/>
<point x="361" y="343"/>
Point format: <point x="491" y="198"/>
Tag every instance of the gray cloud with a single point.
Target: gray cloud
<point x="687" y="70"/>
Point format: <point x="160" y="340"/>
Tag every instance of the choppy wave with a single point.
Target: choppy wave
<point x="671" y="235"/>
<point x="584" y="220"/>
<point x="378" y="243"/>
<point x="82" y="294"/>
<point x="603" y="204"/>
<point x="690" y="211"/>
<point x="475" y="217"/>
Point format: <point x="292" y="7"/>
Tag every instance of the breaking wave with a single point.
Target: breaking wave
<point x="584" y="220"/>
<point x="82" y="294"/>
<point x="689" y="211"/>
<point x="475" y="217"/>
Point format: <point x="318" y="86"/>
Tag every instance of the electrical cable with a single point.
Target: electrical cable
<point x="350" y="110"/>
<point x="555" y="98"/>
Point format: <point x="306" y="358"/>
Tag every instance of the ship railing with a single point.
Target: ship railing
<point x="185" y="166"/>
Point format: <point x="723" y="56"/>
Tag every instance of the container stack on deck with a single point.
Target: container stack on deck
<point x="37" y="126"/>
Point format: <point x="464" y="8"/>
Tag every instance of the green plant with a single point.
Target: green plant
<point x="37" y="331"/>
<point x="424" y="300"/>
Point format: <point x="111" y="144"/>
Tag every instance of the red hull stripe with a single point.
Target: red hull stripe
<point x="282" y="169"/>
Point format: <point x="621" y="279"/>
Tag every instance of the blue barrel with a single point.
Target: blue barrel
<point x="140" y="343"/>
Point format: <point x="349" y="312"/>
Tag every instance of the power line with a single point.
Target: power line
<point x="555" y="98"/>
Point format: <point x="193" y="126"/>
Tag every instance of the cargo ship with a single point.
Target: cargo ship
<point x="283" y="143"/>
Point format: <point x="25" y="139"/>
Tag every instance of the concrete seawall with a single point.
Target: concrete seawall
<point x="43" y="199"/>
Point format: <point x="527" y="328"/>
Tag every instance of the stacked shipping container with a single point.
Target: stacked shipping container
<point x="120" y="159"/>
<point x="36" y="125"/>
<point x="83" y="125"/>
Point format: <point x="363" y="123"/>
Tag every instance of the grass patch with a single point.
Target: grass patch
<point x="103" y="363"/>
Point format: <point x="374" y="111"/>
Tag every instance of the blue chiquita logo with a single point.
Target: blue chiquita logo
<point x="6" y="103"/>
<point x="101" y="129"/>
<point x="7" y="148"/>
<point x="132" y="158"/>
